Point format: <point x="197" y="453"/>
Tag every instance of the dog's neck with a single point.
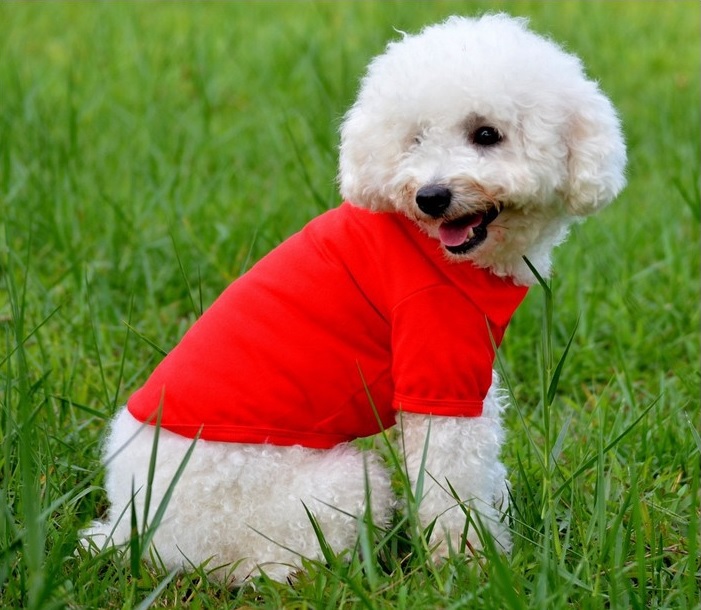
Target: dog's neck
<point x="536" y="244"/>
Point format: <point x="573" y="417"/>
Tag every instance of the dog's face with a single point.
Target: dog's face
<point x="489" y="137"/>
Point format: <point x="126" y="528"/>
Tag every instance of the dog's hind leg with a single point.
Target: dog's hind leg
<point x="241" y="507"/>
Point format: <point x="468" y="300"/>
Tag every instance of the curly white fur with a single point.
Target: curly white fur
<point x="240" y="508"/>
<point x="559" y="156"/>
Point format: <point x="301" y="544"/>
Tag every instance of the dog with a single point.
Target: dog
<point x="472" y="146"/>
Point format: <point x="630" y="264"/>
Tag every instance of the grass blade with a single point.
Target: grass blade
<point x="555" y="379"/>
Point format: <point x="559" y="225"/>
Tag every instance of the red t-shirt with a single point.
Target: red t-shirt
<point x="356" y="305"/>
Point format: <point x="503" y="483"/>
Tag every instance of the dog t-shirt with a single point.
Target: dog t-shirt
<point x="356" y="317"/>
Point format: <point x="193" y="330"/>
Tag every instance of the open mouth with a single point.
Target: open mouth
<point x="461" y="235"/>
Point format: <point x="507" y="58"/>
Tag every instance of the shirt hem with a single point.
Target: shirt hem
<point x="233" y="434"/>
<point x="448" y="408"/>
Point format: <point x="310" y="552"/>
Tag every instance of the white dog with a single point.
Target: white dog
<point x="471" y="145"/>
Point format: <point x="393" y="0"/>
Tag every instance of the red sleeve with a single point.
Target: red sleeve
<point x="442" y="353"/>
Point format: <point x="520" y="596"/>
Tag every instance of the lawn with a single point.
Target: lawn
<point x="150" y="153"/>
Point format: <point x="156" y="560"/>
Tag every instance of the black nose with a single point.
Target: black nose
<point x="433" y="199"/>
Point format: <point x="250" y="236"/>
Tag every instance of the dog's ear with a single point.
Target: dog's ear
<point x="368" y="157"/>
<point x="596" y="154"/>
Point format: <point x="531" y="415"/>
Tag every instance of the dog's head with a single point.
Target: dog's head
<point x="489" y="137"/>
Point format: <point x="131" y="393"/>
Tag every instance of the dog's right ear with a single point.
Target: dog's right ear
<point x="358" y="163"/>
<point x="350" y="167"/>
<point x="369" y="153"/>
<point x="596" y="154"/>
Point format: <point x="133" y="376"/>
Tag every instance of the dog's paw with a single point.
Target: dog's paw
<point x="483" y="527"/>
<point x="96" y="537"/>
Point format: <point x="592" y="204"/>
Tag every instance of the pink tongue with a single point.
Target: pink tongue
<point x="456" y="234"/>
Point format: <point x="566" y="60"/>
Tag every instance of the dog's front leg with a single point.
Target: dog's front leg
<point x="458" y="456"/>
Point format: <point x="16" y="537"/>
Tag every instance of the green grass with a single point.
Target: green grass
<point x="149" y="153"/>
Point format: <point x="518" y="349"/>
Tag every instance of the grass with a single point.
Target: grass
<point x="150" y="153"/>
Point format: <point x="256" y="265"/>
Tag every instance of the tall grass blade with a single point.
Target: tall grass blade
<point x="150" y="532"/>
<point x="28" y="437"/>
<point x="152" y="597"/>
<point x="560" y="440"/>
<point x="694" y="432"/>
<point x="326" y="550"/>
<point x="124" y="352"/>
<point x="555" y="379"/>
<point x="692" y="571"/>
<point x="690" y="196"/>
<point x="588" y="463"/>
<point x="366" y="536"/>
<point x="195" y="309"/>
<point x="318" y="198"/>
<point x="146" y="340"/>
<point x="135" y="548"/>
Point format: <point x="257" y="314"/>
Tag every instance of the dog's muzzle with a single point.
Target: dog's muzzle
<point x="458" y="235"/>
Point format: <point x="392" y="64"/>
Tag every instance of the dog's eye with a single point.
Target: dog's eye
<point x="486" y="136"/>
